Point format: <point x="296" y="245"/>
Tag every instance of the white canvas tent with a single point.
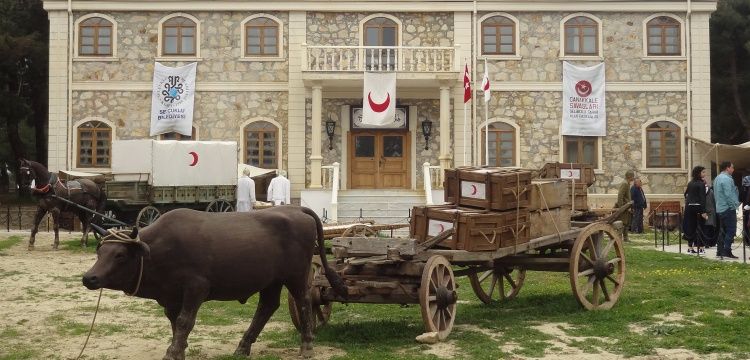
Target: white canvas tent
<point x="708" y="152"/>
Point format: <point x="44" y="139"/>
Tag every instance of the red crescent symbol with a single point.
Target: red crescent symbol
<point x="195" y="158"/>
<point x="570" y="174"/>
<point x="473" y="189"/>
<point x="583" y="88"/>
<point x="379" y="107"/>
<point x="442" y="228"/>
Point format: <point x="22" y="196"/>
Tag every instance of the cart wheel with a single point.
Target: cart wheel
<point x="220" y="206"/>
<point x="321" y="310"/>
<point x="499" y="284"/>
<point x="597" y="267"/>
<point x="147" y="216"/>
<point x="438" y="296"/>
<point x="360" y="230"/>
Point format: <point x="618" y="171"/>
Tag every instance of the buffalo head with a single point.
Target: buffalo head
<point x="117" y="265"/>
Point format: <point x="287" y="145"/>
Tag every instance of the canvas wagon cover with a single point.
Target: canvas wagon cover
<point x="176" y="163"/>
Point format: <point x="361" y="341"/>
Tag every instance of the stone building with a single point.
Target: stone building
<point x="271" y="75"/>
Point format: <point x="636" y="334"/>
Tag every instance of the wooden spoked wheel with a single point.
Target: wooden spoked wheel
<point x="321" y="310"/>
<point x="597" y="267"/>
<point x="220" y="206"/>
<point x="438" y="296"/>
<point x="147" y="216"/>
<point x="499" y="284"/>
<point x="360" y="230"/>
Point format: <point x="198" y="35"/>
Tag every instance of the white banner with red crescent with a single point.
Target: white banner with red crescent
<point x="435" y="227"/>
<point x="379" y="98"/>
<point x="584" y="111"/>
<point x="473" y="189"/>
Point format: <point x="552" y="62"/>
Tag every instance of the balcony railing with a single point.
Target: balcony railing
<point x="380" y="58"/>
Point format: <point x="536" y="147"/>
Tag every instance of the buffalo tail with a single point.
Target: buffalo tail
<point x="337" y="283"/>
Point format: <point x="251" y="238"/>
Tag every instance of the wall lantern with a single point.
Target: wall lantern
<point x="330" y="130"/>
<point x="427" y="131"/>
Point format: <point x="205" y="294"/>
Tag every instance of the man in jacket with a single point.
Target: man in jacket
<point x="623" y="197"/>
<point x="639" y="204"/>
<point x="727" y="201"/>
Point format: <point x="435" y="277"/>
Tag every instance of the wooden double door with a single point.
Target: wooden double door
<point x="379" y="160"/>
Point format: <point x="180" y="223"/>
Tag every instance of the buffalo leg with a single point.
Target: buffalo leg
<point x="35" y="228"/>
<point x="184" y="322"/>
<point x="267" y="305"/>
<point x="85" y="218"/>
<point x="56" y="226"/>
<point x="303" y="301"/>
<point x="172" y="312"/>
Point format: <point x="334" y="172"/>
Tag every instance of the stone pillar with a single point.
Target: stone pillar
<point x="445" y="127"/>
<point x="57" y="150"/>
<point x="316" y="160"/>
<point x="296" y="132"/>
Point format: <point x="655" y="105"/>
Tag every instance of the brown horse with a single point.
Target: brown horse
<point x="83" y="192"/>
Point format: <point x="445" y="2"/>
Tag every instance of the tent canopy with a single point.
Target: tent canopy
<point x="739" y="155"/>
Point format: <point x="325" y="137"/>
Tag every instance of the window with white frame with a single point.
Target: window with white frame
<point x="95" y="37"/>
<point x="663" y="145"/>
<point x="380" y="41"/>
<point x="498" y="36"/>
<point x="663" y="37"/>
<point x="179" y="36"/>
<point x="94" y="144"/>
<point x="261" y="140"/>
<point x="262" y="37"/>
<point x="581" y="149"/>
<point x="501" y="144"/>
<point x="581" y="36"/>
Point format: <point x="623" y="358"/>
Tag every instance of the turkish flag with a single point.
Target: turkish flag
<point x="379" y="98"/>
<point x="467" y="84"/>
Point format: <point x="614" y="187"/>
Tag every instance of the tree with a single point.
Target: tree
<point x="24" y="32"/>
<point x="730" y="72"/>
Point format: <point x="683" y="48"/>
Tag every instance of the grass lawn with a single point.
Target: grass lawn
<point x="670" y="301"/>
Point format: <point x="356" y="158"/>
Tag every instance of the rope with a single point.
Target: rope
<point x="494" y="235"/>
<point x="91" y="329"/>
<point x="546" y="206"/>
<point x="121" y="237"/>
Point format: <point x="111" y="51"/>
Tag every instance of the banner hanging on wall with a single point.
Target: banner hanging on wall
<point x="172" y="99"/>
<point x="379" y="98"/>
<point x="584" y="111"/>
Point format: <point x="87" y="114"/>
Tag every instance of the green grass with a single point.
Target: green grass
<point x="10" y="242"/>
<point x="74" y="245"/>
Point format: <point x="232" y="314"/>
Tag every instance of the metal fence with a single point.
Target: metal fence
<point x="21" y="217"/>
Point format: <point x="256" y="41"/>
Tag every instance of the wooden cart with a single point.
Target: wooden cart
<point x="402" y="271"/>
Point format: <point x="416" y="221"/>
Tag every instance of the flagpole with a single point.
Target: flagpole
<point x="486" y="127"/>
<point x="466" y="73"/>
<point x="475" y="143"/>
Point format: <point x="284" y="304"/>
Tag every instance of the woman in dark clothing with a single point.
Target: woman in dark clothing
<point x="695" y="209"/>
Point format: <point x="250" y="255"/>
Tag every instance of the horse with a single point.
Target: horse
<point x="83" y="192"/>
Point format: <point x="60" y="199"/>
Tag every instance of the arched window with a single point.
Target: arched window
<point x="501" y="145"/>
<point x="663" y="145"/>
<point x="95" y="37"/>
<point x="179" y="36"/>
<point x="581" y="149"/>
<point x="261" y="143"/>
<point x="94" y="144"/>
<point x="262" y="37"/>
<point x="581" y="36"/>
<point x="498" y="36"/>
<point x="178" y="136"/>
<point x="380" y="31"/>
<point x="664" y="36"/>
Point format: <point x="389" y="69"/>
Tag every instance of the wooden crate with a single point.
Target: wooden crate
<point x="487" y="188"/>
<point x="555" y="170"/>
<point x="475" y="230"/>
<point x="550" y="222"/>
<point x="549" y="194"/>
<point x="580" y="196"/>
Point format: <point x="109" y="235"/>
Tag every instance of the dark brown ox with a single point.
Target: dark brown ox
<point x="190" y="257"/>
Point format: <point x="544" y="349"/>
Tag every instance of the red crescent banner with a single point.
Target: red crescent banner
<point x="379" y="107"/>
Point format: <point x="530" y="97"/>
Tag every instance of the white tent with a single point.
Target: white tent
<point x="707" y="152"/>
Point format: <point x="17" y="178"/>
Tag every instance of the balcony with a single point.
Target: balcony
<point x="418" y="59"/>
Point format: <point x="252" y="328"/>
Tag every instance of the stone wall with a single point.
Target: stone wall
<point x="217" y="115"/>
<point x="220" y="50"/>
<point x="418" y="29"/>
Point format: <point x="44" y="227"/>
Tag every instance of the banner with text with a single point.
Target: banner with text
<point x="584" y="111"/>
<point x="172" y="99"/>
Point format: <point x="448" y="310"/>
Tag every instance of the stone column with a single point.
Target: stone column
<point x="57" y="150"/>
<point x="445" y="126"/>
<point x="316" y="160"/>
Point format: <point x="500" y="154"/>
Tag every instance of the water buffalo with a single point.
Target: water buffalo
<point x="188" y="257"/>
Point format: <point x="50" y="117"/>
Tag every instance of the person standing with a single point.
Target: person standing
<point x="708" y="228"/>
<point x="745" y="195"/>
<point x="279" y="190"/>
<point x="623" y="197"/>
<point x="727" y="201"/>
<point x="245" y="192"/>
<point x="639" y="204"/>
<point x="695" y="210"/>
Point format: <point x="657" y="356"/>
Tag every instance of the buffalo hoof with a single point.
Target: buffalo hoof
<point x="242" y="353"/>
<point x="54" y="247"/>
<point x="306" y="352"/>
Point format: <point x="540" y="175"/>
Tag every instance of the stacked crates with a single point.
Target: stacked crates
<point x="578" y="176"/>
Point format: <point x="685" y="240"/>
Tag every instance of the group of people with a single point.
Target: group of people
<point x="708" y="207"/>
<point x="278" y="191"/>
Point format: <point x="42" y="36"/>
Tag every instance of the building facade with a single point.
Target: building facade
<point x="273" y="75"/>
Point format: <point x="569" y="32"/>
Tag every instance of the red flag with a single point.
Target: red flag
<point x="467" y="84"/>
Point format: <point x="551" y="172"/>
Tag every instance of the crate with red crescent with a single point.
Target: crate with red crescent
<point x="487" y="188"/>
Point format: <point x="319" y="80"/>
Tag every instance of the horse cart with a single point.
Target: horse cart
<point x="150" y="177"/>
<point x="423" y="269"/>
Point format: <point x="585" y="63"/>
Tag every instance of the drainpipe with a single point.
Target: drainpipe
<point x="689" y="86"/>
<point x="69" y="129"/>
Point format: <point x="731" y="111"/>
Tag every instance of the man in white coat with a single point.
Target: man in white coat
<point x="245" y="192"/>
<point x="279" y="190"/>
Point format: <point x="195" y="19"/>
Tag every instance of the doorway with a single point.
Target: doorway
<point x="379" y="160"/>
